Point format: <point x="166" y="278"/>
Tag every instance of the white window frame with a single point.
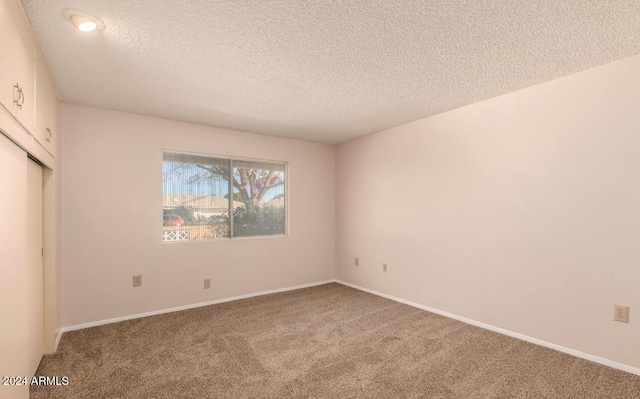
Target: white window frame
<point x="285" y="164"/>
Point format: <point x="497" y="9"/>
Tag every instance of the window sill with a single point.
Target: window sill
<point x="226" y="239"/>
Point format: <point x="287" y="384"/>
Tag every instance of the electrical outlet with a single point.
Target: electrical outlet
<point x="356" y="262"/>
<point x="207" y="283"/>
<point x="384" y="267"/>
<point x="137" y="281"/>
<point x="621" y="313"/>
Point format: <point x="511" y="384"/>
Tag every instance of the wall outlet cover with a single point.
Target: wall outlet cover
<point x="207" y="283"/>
<point x="137" y="281"/>
<point x="621" y="313"/>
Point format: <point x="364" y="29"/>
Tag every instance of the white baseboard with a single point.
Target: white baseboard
<point x="573" y="352"/>
<point x="179" y="308"/>
<point x="53" y="350"/>
<point x="58" y="337"/>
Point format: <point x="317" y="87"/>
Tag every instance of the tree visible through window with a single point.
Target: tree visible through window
<point x="209" y="197"/>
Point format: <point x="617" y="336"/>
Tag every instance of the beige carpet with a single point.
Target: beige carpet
<point x="329" y="341"/>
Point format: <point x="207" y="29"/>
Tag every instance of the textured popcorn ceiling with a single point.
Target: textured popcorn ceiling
<point x="322" y="70"/>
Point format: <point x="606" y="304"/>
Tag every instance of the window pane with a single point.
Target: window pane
<point x="259" y="198"/>
<point x="195" y="197"/>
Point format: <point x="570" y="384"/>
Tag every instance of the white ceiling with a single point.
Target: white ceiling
<point x="322" y="70"/>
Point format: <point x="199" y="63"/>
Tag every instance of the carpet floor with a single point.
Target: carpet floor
<point x="328" y="341"/>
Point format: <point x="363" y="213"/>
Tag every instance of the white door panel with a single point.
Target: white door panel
<point x="13" y="261"/>
<point x="35" y="265"/>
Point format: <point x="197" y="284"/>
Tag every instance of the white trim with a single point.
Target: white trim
<point x="536" y="341"/>
<point x="573" y="352"/>
<point x="222" y="156"/>
<point x="59" y="332"/>
<point x="185" y="307"/>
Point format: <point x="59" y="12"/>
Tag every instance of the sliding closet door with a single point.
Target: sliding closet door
<point x="35" y="265"/>
<point x="13" y="260"/>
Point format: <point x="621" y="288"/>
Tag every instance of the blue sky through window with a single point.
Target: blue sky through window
<point x="188" y="178"/>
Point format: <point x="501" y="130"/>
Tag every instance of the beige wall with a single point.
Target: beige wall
<point x="522" y="212"/>
<point x="112" y="224"/>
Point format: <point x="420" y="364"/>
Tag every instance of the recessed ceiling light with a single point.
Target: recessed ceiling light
<point x="83" y="21"/>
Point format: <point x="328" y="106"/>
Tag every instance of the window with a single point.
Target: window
<point x="208" y="198"/>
